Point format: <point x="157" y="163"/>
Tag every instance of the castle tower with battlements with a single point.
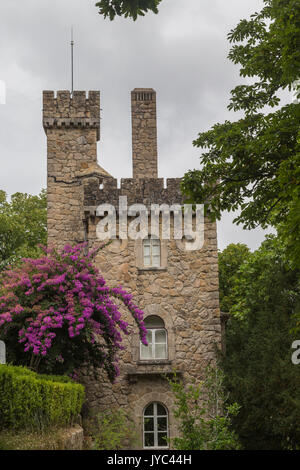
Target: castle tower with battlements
<point x="177" y="288"/>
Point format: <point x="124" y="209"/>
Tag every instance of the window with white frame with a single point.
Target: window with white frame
<point x="156" y="426"/>
<point x="156" y="338"/>
<point x="151" y="252"/>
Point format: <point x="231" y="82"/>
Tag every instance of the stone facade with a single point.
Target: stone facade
<point x="71" y="439"/>
<point x="183" y="290"/>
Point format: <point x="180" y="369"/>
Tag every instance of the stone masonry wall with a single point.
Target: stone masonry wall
<point x="184" y="292"/>
<point x="185" y="295"/>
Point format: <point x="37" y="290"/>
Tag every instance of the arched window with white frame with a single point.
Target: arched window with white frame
<point x="155" y="426"/>
<point x="151" y="252"/>
<point x="157" y="339"/>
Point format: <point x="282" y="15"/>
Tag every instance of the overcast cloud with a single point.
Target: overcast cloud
<point x="181" y="53"/>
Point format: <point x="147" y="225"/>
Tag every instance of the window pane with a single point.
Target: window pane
<point x="149" y="424"/>
<point x="147" y="261"/>
<point x="147" y="250"/>
<point x="161" y="424"/>
<point x="156" y="250"/>
<point x="161" y="411"/>
<point x="156" y="261"/>
<point x="149" y="439"/>
<point x="149" y="337"/>
<point x="149" y="410"/>
<point x="160" y="351"/>
<point x="162" y="439"/>
<point x="160" y="336"/>
<point x="146" y="351"/>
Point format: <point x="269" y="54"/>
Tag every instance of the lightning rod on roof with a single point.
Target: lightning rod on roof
<point x="72" y="62"/>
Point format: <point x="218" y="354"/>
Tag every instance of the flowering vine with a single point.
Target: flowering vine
<point x="57" y="313"/>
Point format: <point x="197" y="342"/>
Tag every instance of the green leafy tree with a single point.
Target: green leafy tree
<point x="127" y="8"/>
<point x="23" y="226"/>
<point x="259" y="373"/>
<point x="230" y="261"/>
<point x="204" y="419"/>
<point x="288" y="228"/>
<point x="253" y="164"/>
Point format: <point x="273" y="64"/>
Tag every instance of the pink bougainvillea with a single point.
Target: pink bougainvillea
<point x="63" y="313"/>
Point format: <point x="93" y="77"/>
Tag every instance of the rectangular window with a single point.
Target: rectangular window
<point x="151" y="248"/>
<point x="157" y="345"/>
<point x="155" y="426"/>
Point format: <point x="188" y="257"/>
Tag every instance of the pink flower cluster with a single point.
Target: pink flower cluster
<point x="64" y="290"/>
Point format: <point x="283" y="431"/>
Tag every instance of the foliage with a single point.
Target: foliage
<point x="22" y="226"/>
<point x="204" y="419"/>
<point x="113" y="430"/>
<point x="230" y="261"/>
<point x="259" y="372"/>
<point x="32" y="401"/>
<point x="127" y="8"/>
<point x="288" y="228"/>
<point x="57" y="313"/>
<point x="252" y="165"/>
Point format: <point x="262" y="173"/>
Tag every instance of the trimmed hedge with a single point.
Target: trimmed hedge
<point x="33" y="401"/>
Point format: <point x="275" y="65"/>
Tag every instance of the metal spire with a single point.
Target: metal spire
<point x="72" y="62"/>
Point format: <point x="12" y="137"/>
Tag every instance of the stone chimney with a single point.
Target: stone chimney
<point x="144" y="133"/>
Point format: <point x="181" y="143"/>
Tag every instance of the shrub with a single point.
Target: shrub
<point x="204" y="419"/>
<point x="33" y="401"/>
<point x="113" y="430"/>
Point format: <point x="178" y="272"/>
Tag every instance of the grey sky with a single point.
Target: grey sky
<point x="181" y="52"/>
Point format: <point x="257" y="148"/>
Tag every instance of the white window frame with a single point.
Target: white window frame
<point x="155" y="431"/>
<point x="154" y="343"/>
<point x="151" y="243"/>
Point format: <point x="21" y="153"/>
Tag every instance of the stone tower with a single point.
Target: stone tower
<point x="72" y="126"/>
<point x="178" y="289"/>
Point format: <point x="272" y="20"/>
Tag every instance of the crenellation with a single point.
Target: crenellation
<point x="63" y="102"/>
<point x="79" y="101"/>
<point x="142" y="191"/>
<point x="68" y="111"/>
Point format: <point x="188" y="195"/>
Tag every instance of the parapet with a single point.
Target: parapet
<point x="71" y="111"/>
<point x="138" y="191"/>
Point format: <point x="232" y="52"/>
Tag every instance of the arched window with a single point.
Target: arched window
<point x="156" y="338"/>
<point x="151" y="252"/>
<point x="155" y="426"/>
